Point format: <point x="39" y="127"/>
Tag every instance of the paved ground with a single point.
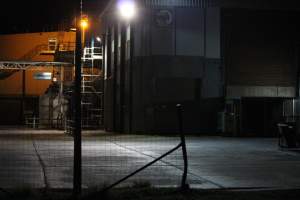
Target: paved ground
<point x="43" y="159"/>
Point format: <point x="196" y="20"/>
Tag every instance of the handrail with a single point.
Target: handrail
<point x="36" y="122"/>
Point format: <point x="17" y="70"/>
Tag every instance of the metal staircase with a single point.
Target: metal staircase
<point x="92" y="95"/>
<point x="91" y="91"/>
<point x="92" y="110"/>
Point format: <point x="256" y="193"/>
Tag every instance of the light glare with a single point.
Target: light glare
<point x="84" y="24"/>
<point x="127" y="9"/>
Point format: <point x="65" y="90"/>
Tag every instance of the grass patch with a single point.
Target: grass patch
<point x="149" y="193"/>
<point x="141" y="184"/>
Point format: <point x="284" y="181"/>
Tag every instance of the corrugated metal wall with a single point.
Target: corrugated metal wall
<point x="259" y="52"/>
<point x="259" y="4"/>
<point x="184" y="3"/>
<point x="172" y="64"/>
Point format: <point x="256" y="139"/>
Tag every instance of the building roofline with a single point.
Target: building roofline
<point x="107" y="8"/>
<point x="28" y="33"/>
<point x="262" y="4"/>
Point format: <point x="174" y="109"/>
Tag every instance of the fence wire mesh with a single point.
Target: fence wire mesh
<point x="35" y="159"/>
<point x="32" y="158"/>
<point x="108" y="158"/>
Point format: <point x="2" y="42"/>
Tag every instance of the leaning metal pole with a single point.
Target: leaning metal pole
<point x="77" y="129"/>
<point x="184" y="184"/>
<point x="182" y="144"/>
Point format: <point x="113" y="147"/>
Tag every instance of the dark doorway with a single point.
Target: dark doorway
<point x="260" y="116"/>
<point x="10" y="112"/>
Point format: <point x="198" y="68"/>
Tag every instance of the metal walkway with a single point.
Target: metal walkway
<point x="23" y="65"/>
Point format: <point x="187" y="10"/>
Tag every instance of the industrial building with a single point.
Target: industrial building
<point x="232" y="64"/>
<point x="36" y="80"/>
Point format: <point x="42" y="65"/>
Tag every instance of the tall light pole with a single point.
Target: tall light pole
<point x="77" y="95"/>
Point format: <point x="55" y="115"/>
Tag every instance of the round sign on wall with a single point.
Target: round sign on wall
<point x="163" y="18"/>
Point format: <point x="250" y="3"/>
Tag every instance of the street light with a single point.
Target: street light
<point x="98" y="39"/>
<point x="84" y="23"/>
<point x="127" y="9"/>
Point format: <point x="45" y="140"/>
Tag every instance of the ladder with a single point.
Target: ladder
<point x="92" y="101"/>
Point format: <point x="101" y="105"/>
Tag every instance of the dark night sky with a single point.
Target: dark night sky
<point x="35" y="15"/>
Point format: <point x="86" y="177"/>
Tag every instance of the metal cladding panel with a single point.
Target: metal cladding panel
<point x="212" y="80"/>
<point x="185" y="32"/>
<point x="260" y="4"/>
<point x="189" y="31"/>
<point x="260" y="52"/>
<point x="257" y="4"/>
<point x="182" y="3"/>
<point x="260" y="91"/>
<point x="163" y="32"/>
<point x="213" y="33"/>
<point x="250" y="4"/>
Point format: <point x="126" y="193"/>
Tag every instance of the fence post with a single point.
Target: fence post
<point x="184" y="185"/>
<point x="34" y="121"/>
<point x="77" y="131"/>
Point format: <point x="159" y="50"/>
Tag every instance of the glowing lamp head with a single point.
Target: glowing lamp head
<point x="127" y="9"/>
<point x="98" y="39"/>
<point x="84" y="23"/>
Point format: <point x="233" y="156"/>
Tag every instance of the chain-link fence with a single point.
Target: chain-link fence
<point x="36" y="158"/>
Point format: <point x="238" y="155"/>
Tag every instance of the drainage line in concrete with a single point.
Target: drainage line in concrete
<point x="42" y="165"/>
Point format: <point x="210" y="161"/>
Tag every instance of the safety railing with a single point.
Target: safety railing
<point x="36" y="122"/>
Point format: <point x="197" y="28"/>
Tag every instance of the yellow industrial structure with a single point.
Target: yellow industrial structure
<point x="36" y="79"/>
<point x="31" y="47"/>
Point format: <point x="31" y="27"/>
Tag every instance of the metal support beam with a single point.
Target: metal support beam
<point x="122" y="77"/>
<point x="131" y="64"/>
<point x="115" y="75"/>
<point x="61" y="89"/>
<point x="23" y="65"/>
<point x="23" y="96"/>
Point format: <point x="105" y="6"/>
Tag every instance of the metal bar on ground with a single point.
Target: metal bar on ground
<point x="142" y="168"/>
<point x="182" y="144"/>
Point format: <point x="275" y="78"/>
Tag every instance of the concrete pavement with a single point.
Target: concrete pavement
<point x="37" y="160"/>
